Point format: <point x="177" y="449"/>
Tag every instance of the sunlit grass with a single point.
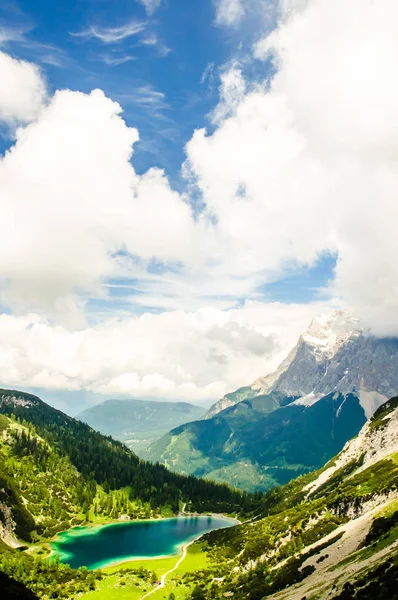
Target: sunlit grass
<point x="120" y="584"/>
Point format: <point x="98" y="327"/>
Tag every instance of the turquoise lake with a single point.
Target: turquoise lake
<point x="100" y="546"/>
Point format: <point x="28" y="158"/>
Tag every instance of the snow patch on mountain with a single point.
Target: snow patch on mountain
<point x="327" y="333"/>
<point x="370" y="401"/>
<point x="307" y="400"/>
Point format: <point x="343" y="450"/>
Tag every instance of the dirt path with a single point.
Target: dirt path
<point x="162" y="583"/>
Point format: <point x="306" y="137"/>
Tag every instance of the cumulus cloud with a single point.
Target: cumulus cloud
<point x="70" y="211"/>
<point x="306" y="163"/>
<point x="232" y="91"/>
<point x="299" y="164"/>
<point x="22" y="90"/>
<point x="175" y="355"/>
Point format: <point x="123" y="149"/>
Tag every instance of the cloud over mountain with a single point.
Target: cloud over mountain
<point x="176" y="355"/>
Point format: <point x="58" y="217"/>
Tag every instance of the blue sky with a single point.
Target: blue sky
<point x="163" y="67"/>
<point x="159" y="85"/>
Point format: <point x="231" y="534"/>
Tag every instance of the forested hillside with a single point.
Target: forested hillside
<point x="262" y="442"/>
<point x="95" y="460"/>
<point x="329" y="534"/>
<point x="56" y="472"/>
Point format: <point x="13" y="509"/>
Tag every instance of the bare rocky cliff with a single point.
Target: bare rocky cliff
<point x="333" y="355"/>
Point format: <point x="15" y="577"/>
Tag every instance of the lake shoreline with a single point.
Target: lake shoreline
<point x="149" y="520"/>
<point x="87" y="526"/>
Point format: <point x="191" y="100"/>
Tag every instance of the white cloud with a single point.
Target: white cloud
<point x="232" y="91"/>
<point x="69" y="208"/>
<point x="152" y="40"/>
<point x="175" y="355"/>
<point x="150" y="5"/>
<point x="22" y="90"/>
<point x="307" y="162"/>
<point x="114" y="61"/>
<point x="249" y="17"/>
<point x="110" y="35"/>
<point x="13" y="33"/>
<point x="229" y="12"/>
<point x="208" y="74"/>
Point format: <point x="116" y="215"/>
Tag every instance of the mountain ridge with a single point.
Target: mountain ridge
<point x="138" y="423"/>
<point x="321" y="362"/>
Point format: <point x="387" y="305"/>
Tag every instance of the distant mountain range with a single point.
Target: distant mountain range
<point x="138" y="423"/>
<point x="295" y="419"/>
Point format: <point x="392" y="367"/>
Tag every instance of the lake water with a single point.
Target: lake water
<point x="99" y="546"/>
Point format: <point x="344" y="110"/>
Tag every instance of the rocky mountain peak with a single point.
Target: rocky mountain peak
<point x="319" y="343"/>
<point x="333" y="355"/>
<point x="328" y="332"/>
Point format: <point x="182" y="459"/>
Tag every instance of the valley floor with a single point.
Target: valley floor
<point x="121" y="582"/>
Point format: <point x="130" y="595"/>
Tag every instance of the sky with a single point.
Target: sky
<point x="184" y="185"/>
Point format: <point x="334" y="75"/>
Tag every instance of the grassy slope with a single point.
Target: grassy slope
<point x="120" y="582"/>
